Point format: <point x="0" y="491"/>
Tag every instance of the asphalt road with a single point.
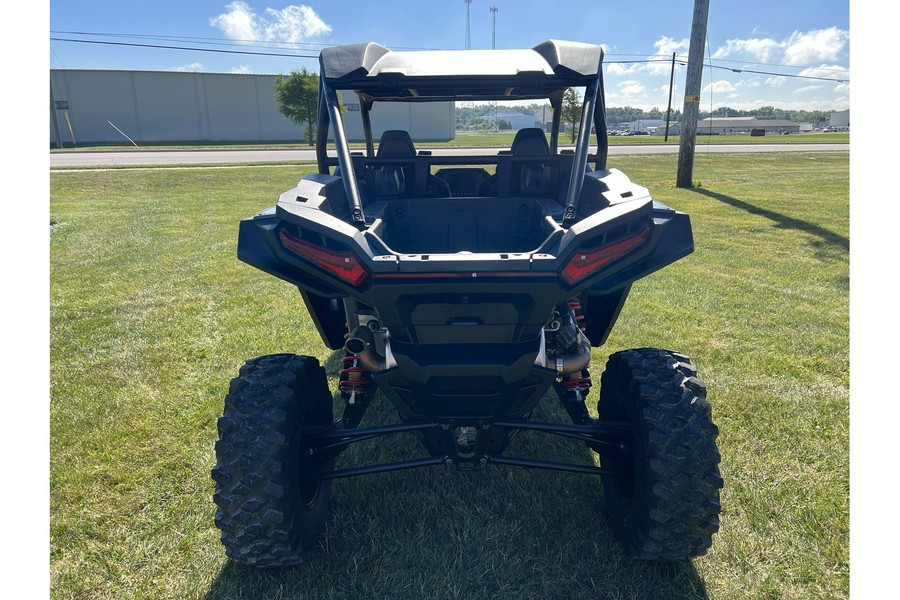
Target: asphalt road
<point x="99" y="158"/>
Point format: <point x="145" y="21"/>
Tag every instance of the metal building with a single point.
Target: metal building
<point x="92" y="107"/>
<point x="840" y="119"/>
<point x="732" y="125"/>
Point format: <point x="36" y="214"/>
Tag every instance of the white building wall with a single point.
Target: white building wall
<point x="840" y="118"/>
<point x="176" y="119"/>
<point x="156" y="106"/>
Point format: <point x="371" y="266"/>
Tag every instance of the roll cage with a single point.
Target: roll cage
<point x="377" y="74"/>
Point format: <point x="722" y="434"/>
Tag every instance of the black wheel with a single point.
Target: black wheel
<point x="271" y="510"/>
<point x="663" y="501"/>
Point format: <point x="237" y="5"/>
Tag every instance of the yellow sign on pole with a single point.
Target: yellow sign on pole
<point x="692" y="98"/>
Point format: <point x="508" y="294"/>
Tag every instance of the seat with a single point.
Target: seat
<point x="525" y="179"/>
<point x="395" y="143"/>
<point x="399" y="180"/>
<point x="530" y="141"/>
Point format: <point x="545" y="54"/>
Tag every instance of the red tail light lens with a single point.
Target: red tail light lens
<point x="343" y="265"/>
<point x="586" y="262"/>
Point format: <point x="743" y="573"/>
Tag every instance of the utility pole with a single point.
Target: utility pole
<point x="493" y="28"/>
<point x="468" y="28"/>
<point x="691" y="111"/>
<point x="496" y="125"/>
<point x="669" y="109"/>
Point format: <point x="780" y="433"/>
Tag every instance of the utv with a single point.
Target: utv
<point x="462" y="288"/>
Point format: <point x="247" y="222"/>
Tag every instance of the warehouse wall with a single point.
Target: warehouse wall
<point x="156" y="106"/>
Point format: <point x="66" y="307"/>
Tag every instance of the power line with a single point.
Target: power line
<point x="217" y="50"/>
<point x="682" y="62"/>
<point x="218" y="41"/>
<point x="621" y="62"/>
<point x="269" y="43"/>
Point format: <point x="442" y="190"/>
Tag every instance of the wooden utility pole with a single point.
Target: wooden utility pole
<point x="669" y="109"/>
<point x="691" y="111"/>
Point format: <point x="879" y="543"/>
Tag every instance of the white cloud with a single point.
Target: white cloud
<point x="842" y="88"/>
<point x="666" y="46"/>
<point x="665" y="89"/>
<point x="619" y="69"/>
<point x="776" y="81"/>
<point x="815" y="46"/>
<point x="808" y="88"/>
<point x="191" y="67"/>
<point x="241" y="70"/>
<point x="293" y="24"/>
<point x="829" y="71"/>
<point x="663" y="47"/>
<point x="799" y="48"/>
<point x="631" y="88"/>
<point x="762" y="49"/>
<point x="720" y="87"/>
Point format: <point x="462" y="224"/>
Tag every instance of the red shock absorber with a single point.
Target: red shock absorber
<point x="575" y="305"/>
<point x="582" y="379"/>
<point x="354" y="376"/>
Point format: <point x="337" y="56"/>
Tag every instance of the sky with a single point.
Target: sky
<point x="800" y="47"/>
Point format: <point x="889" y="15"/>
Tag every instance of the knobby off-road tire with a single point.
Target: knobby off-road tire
<point x="270" y="512"/>
<point x="663" y="503"/>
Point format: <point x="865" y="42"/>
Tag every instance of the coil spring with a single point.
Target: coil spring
<point x="575" y="305"/>
<point x="354" y="376"/>
<point x="580" y="380"/>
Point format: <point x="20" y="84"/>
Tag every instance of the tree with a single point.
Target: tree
<point x="298" y="99"/>
<point x="571" y="110"/>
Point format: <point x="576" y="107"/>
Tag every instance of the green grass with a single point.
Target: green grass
<point x="152" y="314"/>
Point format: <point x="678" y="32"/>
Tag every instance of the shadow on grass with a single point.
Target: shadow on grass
<point x="824" y="241"/>
<point x="496" y="533"/>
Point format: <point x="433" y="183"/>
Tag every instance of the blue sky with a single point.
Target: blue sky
<point x="806" y="39"/>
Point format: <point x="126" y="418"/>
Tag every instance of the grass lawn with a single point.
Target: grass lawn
<point x="152" y="314"/>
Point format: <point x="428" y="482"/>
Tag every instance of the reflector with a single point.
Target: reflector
<point x="340" y="264"/>
<point x="586" y="262"/>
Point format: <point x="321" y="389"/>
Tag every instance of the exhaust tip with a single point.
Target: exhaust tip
<point x="355" y="345"/>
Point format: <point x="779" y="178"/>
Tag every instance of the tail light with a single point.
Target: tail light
<point x="586" y="262"/>
<point x="343" y="265"/>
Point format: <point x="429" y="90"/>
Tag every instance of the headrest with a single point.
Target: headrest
<point x="530" y="141"/>
<point x="395" y="143"/>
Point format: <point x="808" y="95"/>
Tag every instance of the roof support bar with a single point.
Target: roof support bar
<point x="555" y="104"/>
<point x="600" y="128"/>
<point x="576" y="180"/>
<point x="322" y="133"/>
<point x="357" y="218"/>
<point x="365" y="108"/>
<point x="579" y="166"/>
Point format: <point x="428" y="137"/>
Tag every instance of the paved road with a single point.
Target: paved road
<point x="96" y="158"/>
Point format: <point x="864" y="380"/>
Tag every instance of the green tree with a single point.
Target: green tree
<point x="298" y="99"/>
<point x="571" y="110"/>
